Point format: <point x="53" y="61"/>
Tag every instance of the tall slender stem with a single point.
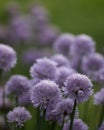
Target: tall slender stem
<point x="38" y="123"/>
<point x="102" y="116"/>
<point x="73" y="114"/>
<point x="53" y="126"/>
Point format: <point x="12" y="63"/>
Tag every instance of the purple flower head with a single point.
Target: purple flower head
<point x="99" y="97"/>
<point x="77" y="125"/>
<point x="47" y="35"/>
<point x="44" y="93"/>
<point x="30" y="56"/>
<point x="99" y="76"/>
<point x="24" y="99"/>
<point x="64" y="107"/>
<point x="84" y="45"/>
<point x="78" y="87"/>
<point x="7" y="57"/>
<point x="62" y="74"/>
<point x="61" y="60"/>
<point x="63" y="43"/>
<point x="101" y="127"/>
<point x="19" y="115"/>
<point x="44" y="68"/>
<point x="17" y="85"/>
<point x="40" y="15"/>
<point x="92" y="64"/>
<point x="20" y="30"/>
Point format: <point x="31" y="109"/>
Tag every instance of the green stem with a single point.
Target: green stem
<point x="38" y="123"/>
<point x="72" y="116"/>
<point x="43" y="121"/>
<point x="63" y="122"/>
<point x="101" y="117"/>
<point x="53" y="126"/>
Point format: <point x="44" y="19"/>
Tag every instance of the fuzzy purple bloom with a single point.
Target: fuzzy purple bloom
<point x="44" y="68"/>
<point x="101" y="127"/>
<point x="30" y="56"/>
<point x="63" y="43"/>
<point x="78" y="87"/>
<point x="19" y="115"/>
<point x="61" y="60"/>
<point x="92" y="64"/>
<point x="78" y="125"/>
<point x="99" y="76"/>
<point x="7" y="57"/>
<point x="44" y="93"/>
<point x="17" y="85"/>
<point x="64" y="107"/>
<point x="99" y="97"/>
<point x="62" y="74"/>
<point x="84" y="45"/>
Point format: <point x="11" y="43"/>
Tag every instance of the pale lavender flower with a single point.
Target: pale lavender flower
<point x="61" y="60"/>
<point x="101" y="127"/>
<point x="47" y="35"/>
<point x="92" y="64"/>
<point x="44" y="68"/>
<point x="17" y="85"/>
<point x="19" y="115"/>
<point x="78" y="87"/>
<point x="62" y="74"/>
<point x="99" y="76"/>
<point x="64" y="107"/>
<point x="7" y="57"/>
<point x="84" y="45"/>
<point x="30" y="56"/>
<point x="77" y="125"/>
<point x="99" y="97"/>
<point x="63" y="43"/>
<point x="45" y="93"/>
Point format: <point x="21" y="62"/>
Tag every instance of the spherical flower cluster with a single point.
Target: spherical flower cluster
<point x="77" y="125"/>
<point x="7" y="57"/>
<point x="99" y="76"/>
<point x="99" y="97"/>
<point x="63" y="43"/>
<point x="17" y="85"/>
<point x="61" y="60"/>
<point x="44" y="69"/>
<point x="19" y="116"/>
<point x="62" y="74"/>
<point x="78" y="87"/>
<point x="84" y="45"/>
<point x="64" y="107"/>
<point x="92" y="64"/>
<point x="44" y="93"/>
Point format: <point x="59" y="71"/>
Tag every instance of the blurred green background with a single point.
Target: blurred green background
<point x="75" y="16"/>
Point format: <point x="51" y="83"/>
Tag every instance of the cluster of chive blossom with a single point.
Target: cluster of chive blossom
<point x="57" y="81"/>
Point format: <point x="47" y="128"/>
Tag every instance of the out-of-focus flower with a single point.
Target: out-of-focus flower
<point x="92" y="64"/>
<point x="7" y="57"/>
<point x="30" y="56"/>
<point x="45" y="93"/>
<point x="62" y="74"/>
<point x="17" y="85"/>
<point x="101" y="127"/>
<point x="99" y="97"/>
<point x="64" y="43"/>
<point x="78" y="87"/>
<point x="44" y="68"/>
<point x="47" y="35"/>
<point x="84" y="45"/>
<point x="77" y="125"/>
<point x="99" y="76"/>
<point x="64" y="107"/>
<point x="61" y="60"/>
<point x="19" y="115"/>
